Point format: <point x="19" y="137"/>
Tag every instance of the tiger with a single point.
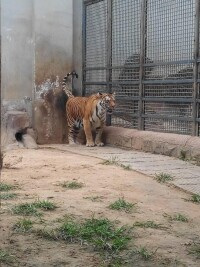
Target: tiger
<point x="87" y="112"/>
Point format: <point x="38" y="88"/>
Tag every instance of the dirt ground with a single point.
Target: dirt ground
<point x="38" y="174"/>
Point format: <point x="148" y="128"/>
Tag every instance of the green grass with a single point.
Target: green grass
<point x="45" y="205"/>
<point x="5" y="257"/>
<point x="148" y="224"/>
<point x="6" y="196"/>
<point x="6" y="187"/>
<point x="72" y="185"/>
<point x="111" y="161"/>
<point x="121" y="205"/>
<point x="195" y="250"/>
<point x="163" y="177"/>
<point x="23" y="225"/>
<point x="70" y="230"/>
<point x="126" y="167"/>
<point x="177" y="217"/>
<point x="101" y="234"/>
<point x="26" y="209"/>
<point x="31" y="209"/>
<point x="195" y="198"/>
<point x="145" y="254"/>
<point x="115" y="161"/>
<point x="183" y="155"/>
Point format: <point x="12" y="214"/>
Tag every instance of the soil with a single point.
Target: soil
<point x="38" y="175"/>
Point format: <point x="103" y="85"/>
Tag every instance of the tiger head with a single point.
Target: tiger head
<point x="107" y="101"/>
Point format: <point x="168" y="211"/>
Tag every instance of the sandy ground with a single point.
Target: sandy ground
<point x="38" y="175"/>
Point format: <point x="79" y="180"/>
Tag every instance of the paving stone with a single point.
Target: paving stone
<point x="186" y="175"/>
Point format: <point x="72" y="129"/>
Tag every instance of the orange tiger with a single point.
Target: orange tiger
<point x="88" y="112"/>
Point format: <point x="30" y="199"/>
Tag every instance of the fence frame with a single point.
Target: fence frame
<point x="195" y="81"/>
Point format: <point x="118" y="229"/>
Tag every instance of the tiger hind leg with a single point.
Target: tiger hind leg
<point x="74" y="131"/>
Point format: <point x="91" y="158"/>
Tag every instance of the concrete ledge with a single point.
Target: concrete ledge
<point x="158" y="143"/>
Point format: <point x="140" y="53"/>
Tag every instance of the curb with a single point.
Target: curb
<point x="187" y="147"/>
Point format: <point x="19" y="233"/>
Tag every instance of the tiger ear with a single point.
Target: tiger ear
<point x="99" y="94"/>
<point x="113" y="94"/>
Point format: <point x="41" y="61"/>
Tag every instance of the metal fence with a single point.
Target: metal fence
<point x="147" y="51"/>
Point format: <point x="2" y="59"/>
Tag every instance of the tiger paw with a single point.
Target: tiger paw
<point x="100" y="144"/>
<point x="90" y="144"/>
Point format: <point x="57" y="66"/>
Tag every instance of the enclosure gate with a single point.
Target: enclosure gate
<point x="147" y="51"/>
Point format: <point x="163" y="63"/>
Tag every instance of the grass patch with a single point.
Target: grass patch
<point x="95" y="198"/>
<point x="148" y="224"/>
<point x="23" y="225"/>
<point x="31" y="209"/>
<point x="183" y="155"/>
<point x="115" y="161"/>
<point x="45" y="205"/>
<point x="126" y="167"/>
<point x="195" y="250"/>
<point x="6" y="196"/>
<point x="163" y="177"/>
<point x="26" y="209"/>
<point x="111" y="161"/>
<point x="101" y="233"/>
<point x="5" y="257"/>
<point x="176" y="217"/>
<point x="6" y="187"/>
<point x="145" y="254"/>
<point x="195" y="198"/>
<point x="72" y="185"/>
<point x="122" y="205"/>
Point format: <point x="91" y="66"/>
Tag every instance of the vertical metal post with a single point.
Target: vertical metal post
<point x="142" y="60"/>
<point x="109" y="53"/>
<point x="84" y="24"/>
<point x="1" y="157"/>
<point x="196" y="54"/>
<point x="33" y="64"/>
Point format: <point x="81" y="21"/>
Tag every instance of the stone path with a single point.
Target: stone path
<point x="186" y="175"/>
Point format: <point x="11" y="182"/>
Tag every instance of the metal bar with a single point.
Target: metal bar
<point x="169" y="99"/>
<point x="156" y="82"/>
<point x="116" y="83"/>
<point x="95" y="83"/>
<point x="196" y="53"/>
<point x="109" y="53"/>
<point x="33" y="66"/>
<point x="178" y="62"/>
<point x="155" y="116"/>
<point x="84" y="23"/>
<point x="142" y="56"/>
<point x="89" y="2"/>
<point x="122" y="114"/>
<point x="95" y="68"/>
<point x="180" y="81"/>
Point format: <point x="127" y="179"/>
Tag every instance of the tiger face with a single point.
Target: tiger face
<point x="108" y="102"/>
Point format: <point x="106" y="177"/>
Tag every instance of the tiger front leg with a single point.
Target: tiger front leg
<point x="88" y="133"/>
<point x="99" y="131"/>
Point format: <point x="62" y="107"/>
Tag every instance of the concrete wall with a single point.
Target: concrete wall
<point x="36" y="47"/>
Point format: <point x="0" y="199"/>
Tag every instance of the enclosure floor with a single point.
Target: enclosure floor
<point x="185" y="175"/>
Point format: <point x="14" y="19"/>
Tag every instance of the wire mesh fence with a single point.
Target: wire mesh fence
<point x="148" y="52"/>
